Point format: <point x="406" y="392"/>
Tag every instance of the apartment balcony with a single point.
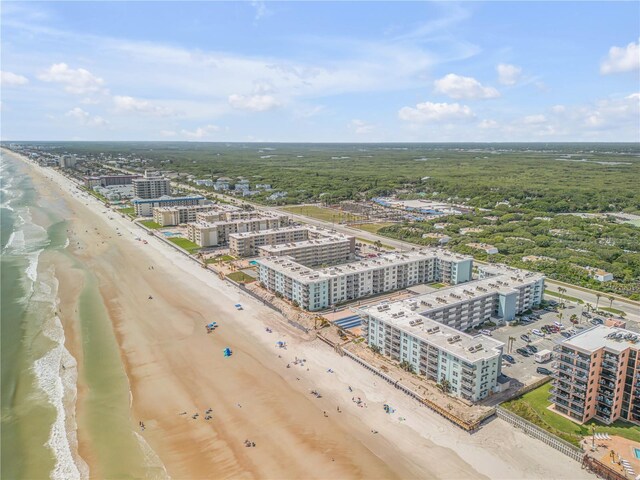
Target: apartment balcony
<point x="606" y="393"/>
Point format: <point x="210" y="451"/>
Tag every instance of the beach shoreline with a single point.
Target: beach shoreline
<point x="172" y="366"/>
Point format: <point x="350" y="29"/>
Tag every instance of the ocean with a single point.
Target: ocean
<point x="39" y="375"/>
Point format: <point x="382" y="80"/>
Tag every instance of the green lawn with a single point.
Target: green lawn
<point x="437" y="285"/>
<point x="565" y="297"/>
<point x="241" y="277"/>
<point x="362" y="240"/>
<point x="151" y="224"/>
<point x="185" y="243"/>
<point x="322" y="213"/>
<point x="532" y="406"/>
<point x="372" y="227"/>
<point x="611" y="310"/>
<point x="128" y="210"/>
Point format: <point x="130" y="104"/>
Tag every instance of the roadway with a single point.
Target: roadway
<point x="630" y="307"/>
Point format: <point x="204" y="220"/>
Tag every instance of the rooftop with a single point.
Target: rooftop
<point x="304" y="274"/>
<point x="612" y="338"/>
<point x="462" y="345"/>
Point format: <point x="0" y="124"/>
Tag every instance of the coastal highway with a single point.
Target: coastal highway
<point x="630" y="307"/>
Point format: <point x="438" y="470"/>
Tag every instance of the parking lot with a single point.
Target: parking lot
<point x="524" y="368"/>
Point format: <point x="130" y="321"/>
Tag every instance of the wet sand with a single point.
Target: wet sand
<point x="173" y="366"/>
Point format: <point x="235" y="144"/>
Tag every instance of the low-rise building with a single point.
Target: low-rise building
<point x="441" y="237"/>
<point x="177" y="215"/>
<point x="210" y="234"/>
<point x="597" y="375"/>
<point x="115" y="192"/>
<point x="144" y="206"/>
<point x="469" y="366"/>
<point x="601" y="276"/>
<point x="222" y="184"/>
<point x="485" y="247"/>
<point x="318" y="289"/>
<point x="246" y="244"/>
<point x="323" y="250"/>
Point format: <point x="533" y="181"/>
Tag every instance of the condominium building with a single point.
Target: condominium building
<point x="227" y="213"/>
<point x="246" y="244"/>
<point x="468" y="365"/>
<point x="209" y="234"/>
<point x="110" y="180"/>
<point x="325" y="250"/>
<point x="144" y="207"/>
<point x="151" y="186"/>
<point x="170" y="216"/>
<point x="597" y="375"/>
<point x="318" y="289"/>
<point x="499" y="298"/>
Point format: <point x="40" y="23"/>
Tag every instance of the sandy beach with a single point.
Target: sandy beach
<point x="173" y="366"/>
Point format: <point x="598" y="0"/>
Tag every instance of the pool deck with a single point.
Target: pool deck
<point x="621" y="446"/>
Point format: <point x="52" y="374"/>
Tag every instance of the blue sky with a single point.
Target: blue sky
<point x="321" y="71"/>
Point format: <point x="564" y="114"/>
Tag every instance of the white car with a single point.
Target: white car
<point x="485" y="332"/>
<point x="537" y="332"/>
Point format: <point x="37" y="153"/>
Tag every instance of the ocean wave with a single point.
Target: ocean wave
<point x="56" y="376"/>
<point x="155" y="467"/>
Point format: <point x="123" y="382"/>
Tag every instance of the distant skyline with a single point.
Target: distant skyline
<point x="321" y="71"/>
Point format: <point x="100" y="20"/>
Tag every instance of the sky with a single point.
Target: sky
<point x="303" y="71"/>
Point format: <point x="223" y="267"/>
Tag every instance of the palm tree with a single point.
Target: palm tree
<point x="574" y="319"/>
<point x="611" y="298"/>
<point x="598" y="295"/>
<point x="589" y="307"/>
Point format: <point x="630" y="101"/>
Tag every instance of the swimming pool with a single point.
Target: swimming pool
<point x="170" y="234"/>
<point x="253" y="262"/>
<point x="637" y="452"/>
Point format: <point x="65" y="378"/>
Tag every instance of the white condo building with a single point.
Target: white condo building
<point x="470" y="365"/>
<point x="170" y="216"/>
<point x="151" y="186"/>
<point x="209" y="234"/>
<point x="318" y="289"/>
<point x="247" y="244"/>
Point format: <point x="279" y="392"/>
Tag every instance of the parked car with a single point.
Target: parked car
<point x="525" y="337"/>
<point x="599" y="321"/>
<point x="565" y="334"/>
<point x="486" y="332"/>
<point x="531" y="348"/>
<point x="535" y="331"/>
<point x="544" y="371"/>
<point x="522" y="352"/>
<point x="509" y="358"/>
<point x="593" y="321"/>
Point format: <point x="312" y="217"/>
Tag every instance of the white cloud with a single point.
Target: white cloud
<point x="435" y="112"/>
<point x="486" y="124"/>
<point x="622" y="59"/>
<point x="456" y="86"/>
<point x="125" y="104"/>
<point x="361" y="127"/>
<point x="558" y="109"/>
<point x="508" y="74"/>
<point x="10" y="79"/>
<point x="254" y="103"/>
<point x="261" y="9"/>
<point x="534" y="119"/>
<point x="167" y="133"/>
<point x="85" y="118"/>
<point x="201" y="132"/>
<point x="79" y="81"/>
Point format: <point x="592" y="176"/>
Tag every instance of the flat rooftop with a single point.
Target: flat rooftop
<point x="293" y="228"/>
<point x="602" y="336"/>
<point x="304" y="274"/>
<point x="467" y="347"/>
<point x="462" y="293"/>
<point x="257" y="218"/>
<point x="329" y="240"/>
